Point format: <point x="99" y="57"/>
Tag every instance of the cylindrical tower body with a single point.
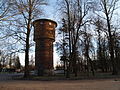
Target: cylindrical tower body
<point x="44" y="36"/>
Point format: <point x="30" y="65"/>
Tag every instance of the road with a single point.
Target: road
<point x="9" y="76"/>
<point x="6" y="83"/>
<point x="61" y="85"/>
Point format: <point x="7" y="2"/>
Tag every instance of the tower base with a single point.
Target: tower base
<point x="46" y="72"/>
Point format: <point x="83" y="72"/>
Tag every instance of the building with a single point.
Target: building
<point x="44" y="36"/>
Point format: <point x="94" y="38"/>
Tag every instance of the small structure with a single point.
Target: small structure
<point x="44" y="36"/>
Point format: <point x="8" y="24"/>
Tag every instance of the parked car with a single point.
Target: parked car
<point x="18" y="70"/>
<point x="58" y="71"/>
<point x="8" y="70"/>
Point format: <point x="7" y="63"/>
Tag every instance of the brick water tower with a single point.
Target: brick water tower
<point x="44" y="36"/>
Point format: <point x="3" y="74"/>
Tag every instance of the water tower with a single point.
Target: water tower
<point x="44" y="36"/>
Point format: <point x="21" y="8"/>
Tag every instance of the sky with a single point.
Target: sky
<point x="50" y="10"/>
<point x="51" y="13"/>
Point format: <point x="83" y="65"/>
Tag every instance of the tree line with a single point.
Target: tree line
<point x="90" y="36"/>
<point x="16" y="17"/>
<point x="9" y="60"/>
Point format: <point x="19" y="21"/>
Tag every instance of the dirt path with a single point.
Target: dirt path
<point x="110" y="84"/>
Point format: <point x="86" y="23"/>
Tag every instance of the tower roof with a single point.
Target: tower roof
<point x="49" y="20"/>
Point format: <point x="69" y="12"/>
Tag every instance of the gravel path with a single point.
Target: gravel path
<point x="109" y="84"/>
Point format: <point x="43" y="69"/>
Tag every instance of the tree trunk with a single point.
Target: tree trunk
<point x="69" y="66"/>
<point x="111" y="46"/>
<point x="26" y="74"/>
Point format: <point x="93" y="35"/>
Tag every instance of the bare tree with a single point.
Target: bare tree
<point x="87" y="48"/>
<point x="4" y="58"/>
<point x="100" y="27"/>
<point x="74" y="13"/>
<point x="109" y="6"/>
<point x="28" y="11"/>
<point x="4" y="10"/>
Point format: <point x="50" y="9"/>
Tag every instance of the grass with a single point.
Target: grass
<point x="81" y="76"/>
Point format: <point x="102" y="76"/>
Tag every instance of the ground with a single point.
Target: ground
<point x="107" y="84"/>
<point x="7" y="83"/>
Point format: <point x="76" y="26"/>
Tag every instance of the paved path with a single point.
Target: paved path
<point x="110" y="84"/>
<point x="9" y="76"/>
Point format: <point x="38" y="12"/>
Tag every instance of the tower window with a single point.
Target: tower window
<point x="50" y="23"/>
<point x="41" y="22"/>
